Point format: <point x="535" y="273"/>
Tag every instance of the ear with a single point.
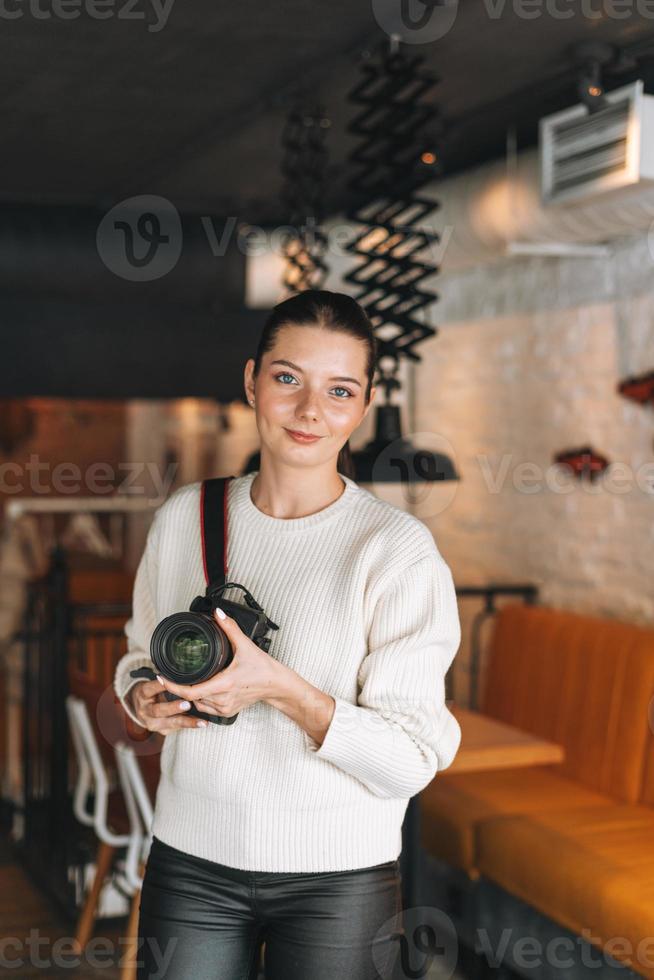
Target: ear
<point x="373" y="392"/>
<point x="248" y="379"/>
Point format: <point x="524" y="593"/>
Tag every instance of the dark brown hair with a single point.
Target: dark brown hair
<point x="333" y="311"/>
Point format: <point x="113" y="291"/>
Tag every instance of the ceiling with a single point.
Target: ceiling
<point x="189" y="102"/>
<point x="192" y="107"/>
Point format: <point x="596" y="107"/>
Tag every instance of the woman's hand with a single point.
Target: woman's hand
<point x="251" y="676"/>
<point x="155" y="713"/>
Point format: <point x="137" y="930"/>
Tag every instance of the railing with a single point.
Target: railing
<point x="57" y="632"/>
<point x="489" y="593"/>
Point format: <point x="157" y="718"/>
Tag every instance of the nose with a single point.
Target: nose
<point x="307" y="407"/>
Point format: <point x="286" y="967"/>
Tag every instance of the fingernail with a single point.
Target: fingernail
<point x="160" y="679"/>
<point x="220" y="613"/>
<point x="202" y="724"/>
<point x="184" y="705"/>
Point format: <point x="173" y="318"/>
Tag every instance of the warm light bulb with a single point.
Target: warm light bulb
<point x="428" y="157"/>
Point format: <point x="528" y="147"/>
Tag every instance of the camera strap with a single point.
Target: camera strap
<point x="213" y="522"/>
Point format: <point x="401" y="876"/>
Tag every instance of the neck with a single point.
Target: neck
<point x="290" y="492"/>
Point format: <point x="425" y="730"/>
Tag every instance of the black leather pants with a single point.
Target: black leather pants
<point x="204" y="921"/>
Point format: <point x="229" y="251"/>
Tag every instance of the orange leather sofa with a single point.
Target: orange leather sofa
<point x="573" y="840"/>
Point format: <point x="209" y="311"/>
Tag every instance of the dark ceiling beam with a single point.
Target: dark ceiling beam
<point x="124" y="350"/>
<point x="56" y="251"/>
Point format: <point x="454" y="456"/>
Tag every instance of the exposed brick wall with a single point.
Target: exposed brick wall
<point x="526" y="363"/>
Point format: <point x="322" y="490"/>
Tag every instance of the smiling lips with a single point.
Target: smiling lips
<point x="301" y="436"/>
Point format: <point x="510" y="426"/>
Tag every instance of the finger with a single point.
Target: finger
<point x="148" y="688"/>
<point x="228" y="623"/>
<point x="208" y="708"/>
<point x="143" y="701"/>
<point x="221" y="705"/>
<point x="194" y="692"/>
<point x="179" y="721"/>
<point x="164" y="708"/>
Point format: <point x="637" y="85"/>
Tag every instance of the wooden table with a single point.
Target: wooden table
<point x="485" y="744"/>
<point x="490" y="744"/>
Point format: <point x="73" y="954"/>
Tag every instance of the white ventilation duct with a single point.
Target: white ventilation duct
<point x="483" y="211"/>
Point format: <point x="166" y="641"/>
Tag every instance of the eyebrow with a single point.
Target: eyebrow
<point x="297" y="368"/>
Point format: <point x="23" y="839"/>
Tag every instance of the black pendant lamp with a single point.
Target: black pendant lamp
<point x="395" y="157"/>
<point x="390" y="458"/>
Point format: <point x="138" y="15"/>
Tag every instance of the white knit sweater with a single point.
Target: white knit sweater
<point x="367" y="613"/>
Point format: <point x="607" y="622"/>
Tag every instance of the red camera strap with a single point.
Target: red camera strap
<point x="213" y="524"/>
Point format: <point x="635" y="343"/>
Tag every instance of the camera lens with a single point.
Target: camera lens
<point x="189" y="647"/>
<point x="189" y="651"/>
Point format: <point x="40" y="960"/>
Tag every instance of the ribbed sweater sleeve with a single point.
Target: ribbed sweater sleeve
<point x="401" y="732"/>
<point x="139" y="628"/>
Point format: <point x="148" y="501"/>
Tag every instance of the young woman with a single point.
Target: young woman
<point x="285" y="827"/>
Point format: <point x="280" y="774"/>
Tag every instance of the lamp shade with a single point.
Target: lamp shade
<point x="390" y="458"/>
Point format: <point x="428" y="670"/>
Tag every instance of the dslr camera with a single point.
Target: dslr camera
<point x="190" y="647"/>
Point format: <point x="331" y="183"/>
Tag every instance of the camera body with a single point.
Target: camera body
<point x="190" y="647"/>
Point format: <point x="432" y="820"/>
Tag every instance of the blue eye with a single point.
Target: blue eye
<point x="285" y="374"/>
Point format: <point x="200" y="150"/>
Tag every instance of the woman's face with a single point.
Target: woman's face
<point x="319" y="389"/>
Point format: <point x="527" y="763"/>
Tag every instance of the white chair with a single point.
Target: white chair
<point x="93" y="777"/>
<point x="139" y="806"/>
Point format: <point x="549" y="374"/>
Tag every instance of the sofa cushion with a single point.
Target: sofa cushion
<point x="628" y="906"/>
<point x="579" y="680"/>
<point x="589" y="868"/>
<point x="453" y="805"/>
